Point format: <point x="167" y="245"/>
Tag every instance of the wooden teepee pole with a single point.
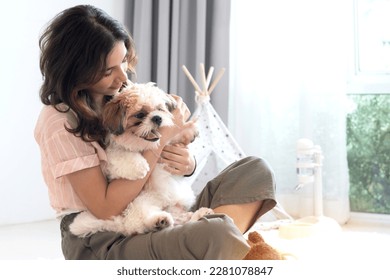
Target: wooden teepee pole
<point x="205" y="80"/>
<point x="215" y="82"/>
<point x="192" y="80"/>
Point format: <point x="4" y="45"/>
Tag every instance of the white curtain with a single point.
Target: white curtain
<point x="288" y="72"/>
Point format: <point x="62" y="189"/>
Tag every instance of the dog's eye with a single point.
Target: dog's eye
<point x="140" y="115"/>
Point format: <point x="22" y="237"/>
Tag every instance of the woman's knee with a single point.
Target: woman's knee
<point x="259" y="163"/>
<point x="259" y="166"/>
<point x="221" y="239"/>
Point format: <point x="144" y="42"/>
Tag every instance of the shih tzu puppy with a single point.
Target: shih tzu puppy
<point x="134" y="118"/>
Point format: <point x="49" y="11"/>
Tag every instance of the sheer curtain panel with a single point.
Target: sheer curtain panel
<point x="288" y="72"/>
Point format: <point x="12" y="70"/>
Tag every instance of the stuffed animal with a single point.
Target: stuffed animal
<point x="261" y="250"/>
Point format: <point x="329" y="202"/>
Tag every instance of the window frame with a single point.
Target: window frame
<point x="359" y="82"/>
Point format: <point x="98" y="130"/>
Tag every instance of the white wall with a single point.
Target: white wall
<point x="23" y="193"/>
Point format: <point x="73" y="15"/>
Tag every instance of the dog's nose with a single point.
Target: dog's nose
<point x="157" y="120"/>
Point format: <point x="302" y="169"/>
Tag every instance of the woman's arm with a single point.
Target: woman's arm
<point x="106" y="200"/>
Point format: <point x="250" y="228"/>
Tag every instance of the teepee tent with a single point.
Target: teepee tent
<point x="215" y="148"/>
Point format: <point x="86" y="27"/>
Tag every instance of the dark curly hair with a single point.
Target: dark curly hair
<point x="74" y="48"/>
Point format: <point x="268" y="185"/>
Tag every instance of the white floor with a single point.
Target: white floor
<point x="41" y="240"/>
<point x="353" y="242"/>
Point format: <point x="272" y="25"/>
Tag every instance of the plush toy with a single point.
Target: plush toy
<point x="261" y="250"/>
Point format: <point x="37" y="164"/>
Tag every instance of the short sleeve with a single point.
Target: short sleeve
<point x="66" y="153"/>
<point x="70" y="153"/>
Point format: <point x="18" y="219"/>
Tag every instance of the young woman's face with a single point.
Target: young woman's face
<point x="115" y="74"/>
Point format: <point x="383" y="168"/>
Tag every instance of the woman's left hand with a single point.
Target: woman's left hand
<point x="178" y="160"/>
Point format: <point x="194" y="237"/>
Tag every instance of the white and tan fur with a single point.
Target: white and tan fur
<point x="134" y="118"/>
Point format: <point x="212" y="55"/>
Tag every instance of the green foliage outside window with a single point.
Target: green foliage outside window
<point x="368" y="146"/>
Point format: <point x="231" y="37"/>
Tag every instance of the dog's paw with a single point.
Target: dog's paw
<point x="201" y="213"/>
<point x="132" y="166"/>
<point x="182" y="218"/>
<point x="139" y="173"/>
<point x="158" y="221"/>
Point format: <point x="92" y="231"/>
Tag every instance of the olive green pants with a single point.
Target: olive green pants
<point x="212" y="237"/>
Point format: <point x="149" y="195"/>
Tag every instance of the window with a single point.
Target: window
<point x="368" y="146"/>
<point x="368" y="125"/>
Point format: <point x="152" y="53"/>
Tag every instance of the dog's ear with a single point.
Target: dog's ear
<point x="114" y="115"/>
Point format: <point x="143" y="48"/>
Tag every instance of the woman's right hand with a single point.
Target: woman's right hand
<point x="180" y="119"/>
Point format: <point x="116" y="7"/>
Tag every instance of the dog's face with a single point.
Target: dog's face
<point x="135" y="116"/>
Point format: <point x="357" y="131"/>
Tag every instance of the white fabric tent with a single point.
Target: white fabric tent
<point x="215" y="148"/>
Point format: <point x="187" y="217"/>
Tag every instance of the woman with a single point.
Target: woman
<point x="85" y="57"/>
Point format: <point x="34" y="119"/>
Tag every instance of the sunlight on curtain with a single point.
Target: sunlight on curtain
<point x="288" y="69"/>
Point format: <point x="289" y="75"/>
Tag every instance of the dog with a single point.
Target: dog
<point x="133" y="118"/>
